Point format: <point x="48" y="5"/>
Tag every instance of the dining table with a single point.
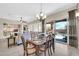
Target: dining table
<point x="38" y="43"/>
<point x="14" y="41"/>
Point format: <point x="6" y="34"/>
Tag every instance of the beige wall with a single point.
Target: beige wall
<point x="58" y="16"/>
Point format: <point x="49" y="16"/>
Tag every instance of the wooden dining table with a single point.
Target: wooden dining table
<point x="38" y="43"/>
<point x="14" y="41"/>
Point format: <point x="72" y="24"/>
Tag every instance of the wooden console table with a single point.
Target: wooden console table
<point x="14" y="42"/>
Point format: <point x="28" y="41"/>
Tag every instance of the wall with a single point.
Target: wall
<point x="58" y="16"/>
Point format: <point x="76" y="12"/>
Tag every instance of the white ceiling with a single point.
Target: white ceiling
<point x="28" y="11"/>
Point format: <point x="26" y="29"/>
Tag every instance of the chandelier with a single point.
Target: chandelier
<point x="22" y="21"/>
<point x="41" y="15"/>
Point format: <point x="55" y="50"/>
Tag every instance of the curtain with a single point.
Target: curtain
<point x="73" y="41"/>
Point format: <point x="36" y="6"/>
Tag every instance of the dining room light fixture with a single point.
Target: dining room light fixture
<point x="41" y="15"/>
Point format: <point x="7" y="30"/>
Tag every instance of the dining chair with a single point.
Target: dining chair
<point x="45" y="47"/>
<point x="29" y="48"/>
<point x="51" y="44"/>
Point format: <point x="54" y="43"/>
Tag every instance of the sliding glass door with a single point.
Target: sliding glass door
<point x="61" y="30"/>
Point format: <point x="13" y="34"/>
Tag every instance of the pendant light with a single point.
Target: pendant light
<point x="41" y="15"/>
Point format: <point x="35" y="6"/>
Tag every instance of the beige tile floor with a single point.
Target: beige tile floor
<point x="60" y="50"/>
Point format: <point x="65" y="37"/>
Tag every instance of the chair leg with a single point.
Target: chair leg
<point x="53" y="48"/>
<point x="36" y="53"/>
<point x="24" y="53"/>
<point x="50" y="51"/>
<point x="45" y="53"/>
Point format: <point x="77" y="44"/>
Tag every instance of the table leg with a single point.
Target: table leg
<point x="8" y="39"/>
<point x="8" y="42"/>
<point x="14" y="40"/>
<point x="37" y="50"/>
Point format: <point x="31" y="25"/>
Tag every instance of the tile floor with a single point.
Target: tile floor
<point x="60" y="50"/>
